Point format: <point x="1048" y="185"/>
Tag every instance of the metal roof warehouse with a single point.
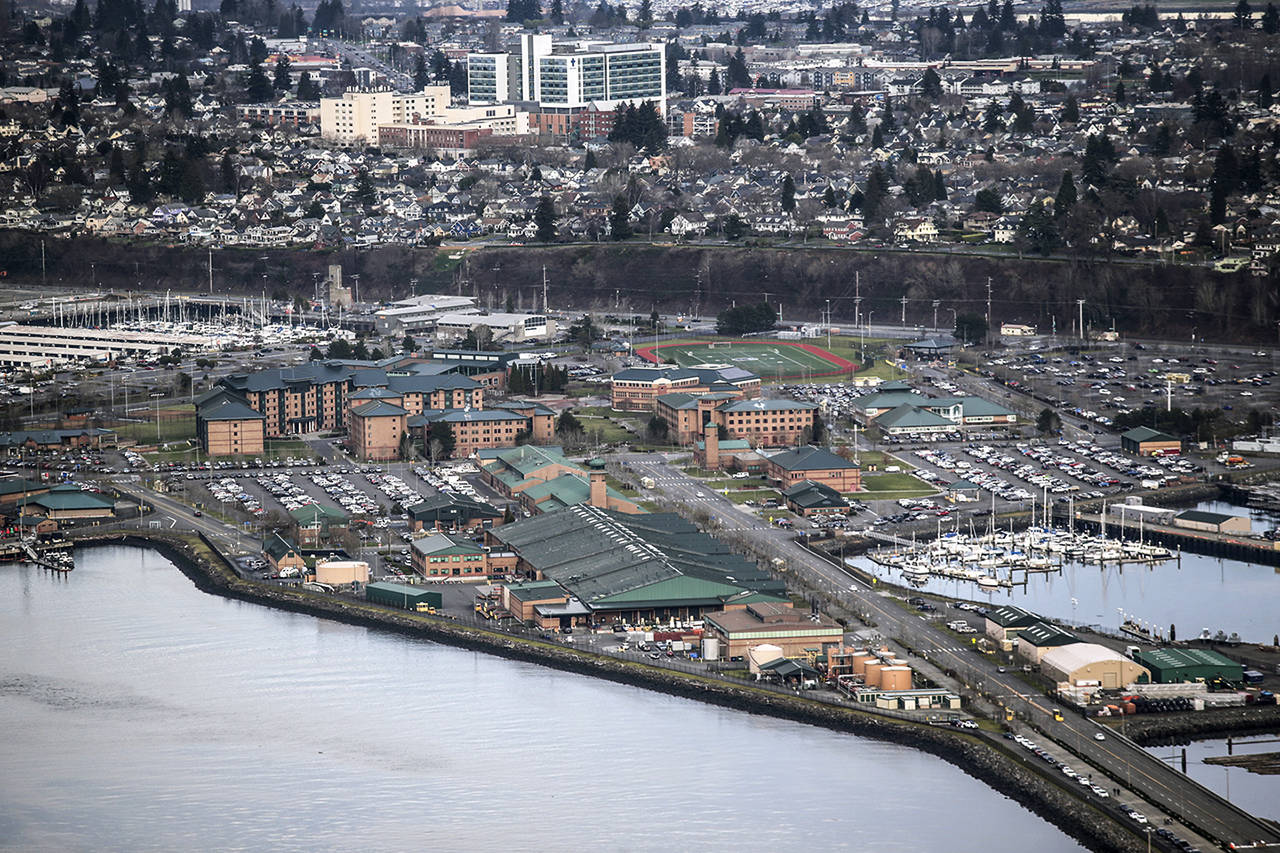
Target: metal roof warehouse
<point x="636" y="568"/>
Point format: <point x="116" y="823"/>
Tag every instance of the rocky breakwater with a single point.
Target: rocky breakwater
<point x="983" y="755"/>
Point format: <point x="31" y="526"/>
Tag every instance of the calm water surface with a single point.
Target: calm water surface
<point x="142" y="714"/>
<point x="1257" y="793"/>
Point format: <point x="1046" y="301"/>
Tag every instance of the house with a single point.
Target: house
<point x="280" y="553"/>
<point x="317" y="524"/>
<point x="915" y="229"/>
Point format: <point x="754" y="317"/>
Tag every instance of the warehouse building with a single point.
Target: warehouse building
<point x="402" y="596"/>
<point x="631" y="568"/>
<point x="68" y="503"/>
<point x="1089" y="664"/>
<point x="1212" y="522"/>
<point x="774" y="622"/>
<point x="1036" y="640"/>
<point x="1004" y="623"/>
<point x="1145" y="441"/>
<point x="1170" y="666"/>
<point x="446" y="512"/>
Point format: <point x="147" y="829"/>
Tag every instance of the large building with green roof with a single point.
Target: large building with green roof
<point x="1169" y="665"/>
<point x="542" y="479"/>
<point x="636" y="569"/>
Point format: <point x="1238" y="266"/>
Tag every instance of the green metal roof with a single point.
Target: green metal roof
<point x="536" y="590"/>
<point x="1043" y="634"/>
<point x="1202" y="517"/>
<point x="908" y="416"/>
<point x="317" y="513"/>
<point x="1167" y="658"/>
<point x="1142" y="433"/>
<point x="810" y="458"/>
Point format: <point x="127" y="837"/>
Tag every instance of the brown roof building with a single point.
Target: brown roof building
<point x="771" y="622"/>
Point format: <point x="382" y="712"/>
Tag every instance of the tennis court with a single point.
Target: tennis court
<point x="767" y="359"/>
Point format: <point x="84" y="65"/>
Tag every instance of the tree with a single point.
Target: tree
<point x="658" y="428"/>
<point x="557" y="12"/>
<point x="1066" y="197"/>
<point x="1037" y="231"/>
<point x="567" y="426"/>
<point x="1243" y="15"/>
<point x="584" y="331"/>
<point x="1053" y="24"/>
<point x="1048" y="421"/>
<point x="737" y="75"/>
<point x="971" y="328"/>
<point x="364" y="191"/>
<point x="308" y="89"/>
<point x="409" y="344"/>
<point x="931" y="85"/>
<point x="1271" y="20"/>
<point x="788" y="194"/>
<point x="258" y="88"/>
<point x="645" y="19"/>
<point x="544" y="216"/>
<point x="991" y="121"/>
<point x="819" y="429"/>
<point x="442" y="441"/>
<point x="746" y="319"/>
<point x="988" y="200"/>
<point x="282" y="81"/>
<point x="589" y="162"/>
<point x="1120" y="96"/>
<point x="734" y="228"/>
<point x="1071" y="110"/>
<point x="620" y="218"/>
<point x="339" y="348"/>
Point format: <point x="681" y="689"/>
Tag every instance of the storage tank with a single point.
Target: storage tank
<point x="860" y="662"/>
<point x="763" y="653"/>
<point x="711" y="648"/>
<point x="872" y="674"/>
<point x="895" y="678"/>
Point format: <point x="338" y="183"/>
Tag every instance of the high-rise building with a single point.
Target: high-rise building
<point x="570" y="75"/>
<point x="354" y="118"/>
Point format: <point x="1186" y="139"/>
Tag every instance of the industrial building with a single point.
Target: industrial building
<point x="419" y="313"/>
<point x="1036" y="640"/>
<point x="503" y="327"/>
<point x="632" y="568"/>
<point x="1145" y="441"/>
<point x="1168" y="665"/>
<point x="1084" y="664"/>
<point x="1212" y="522"/>
<point x="402" y="596"/>
<point x="770" y="621"/>
<point x="1004" y="623"/>
<point x="446" y="512"/>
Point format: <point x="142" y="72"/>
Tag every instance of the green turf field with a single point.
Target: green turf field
<point x="767" y="359"/>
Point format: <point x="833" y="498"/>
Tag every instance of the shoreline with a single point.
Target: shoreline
<point x="982" y="756"/>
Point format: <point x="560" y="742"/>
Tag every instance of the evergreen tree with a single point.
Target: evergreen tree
<point x="619" y="218"/>
<point x="1271" y="20"/>
<point x="1264" y="91"/>
<point x="589" y="162"/>
<point x="829" y="197"/>
<point x="931" y="84"/>
<point x="939" y="186"/>
<point x="1053" y="24"/>
<point x="645" y="19"/>
<point x="258" y="88"/>
<point x="282" y="81"/>
<point x="1037" y="232"/>
<point x="1071" y="110"/>
<point x="365" y="193"/>
<point x="874" y="195"/>
<point x="544" y="216"/>
<point x="988" y="201"/>
<point x="991" y="121"/>
<point x="1243" y="15"/>
<point x="1066" y="197"/>
<point x="788" y="195"/>
<point x="308" y="90"/>
<point x="1120" y="96"/>
<point x="557" y="12"/>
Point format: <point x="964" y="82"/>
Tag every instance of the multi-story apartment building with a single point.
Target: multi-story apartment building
<point x="636" y="389"/>
<point x="767" y="423"/>
<point x="317" y="395"/>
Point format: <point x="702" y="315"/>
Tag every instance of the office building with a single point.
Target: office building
<point x="354" y="118"/>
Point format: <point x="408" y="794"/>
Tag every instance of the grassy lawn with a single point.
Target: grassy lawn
<point x="756" y="495"/>
<point x="879" y="458"/>
<point x="604" y="429"/>
<point x="881" y="487"/>
<point x="169" y="430"/>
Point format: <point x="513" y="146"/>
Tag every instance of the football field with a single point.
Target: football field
<point x="770" y="360"/>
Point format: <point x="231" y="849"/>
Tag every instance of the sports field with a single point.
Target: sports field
<point x="774" y="360"/>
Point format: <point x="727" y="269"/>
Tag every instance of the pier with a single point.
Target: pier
<point x="1231" y="546"/>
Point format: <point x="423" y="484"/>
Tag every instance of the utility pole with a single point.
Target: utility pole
<point x="988" y="310"/>
<point x="1080" y="306"/>
<point x="545" y="309"/>
<point x="857" y="296"/>
<point x="903" y="300"/>
<point x="936" y="303"/>
<point x="44" y="280"/>
<point x="210" y="270"/>
<point x="828" y="324"/>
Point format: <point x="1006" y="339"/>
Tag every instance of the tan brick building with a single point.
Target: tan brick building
<point x="767" y="423"/>
<point x="637" y="389"/>
<point x="226" y="426"/>
<point x="376" y="431"/>
<point x="814" y="464"/>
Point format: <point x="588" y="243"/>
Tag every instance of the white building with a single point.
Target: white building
<point x="354" y="118"/>
<point x="569" y="75"/>
<point x="506" y="328"/>
<point x="420" y="312"/>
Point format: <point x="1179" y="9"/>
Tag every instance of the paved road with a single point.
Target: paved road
<point x="1121" y="759"/>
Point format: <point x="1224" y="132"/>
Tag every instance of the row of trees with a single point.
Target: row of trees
<point x="746" y="319"/>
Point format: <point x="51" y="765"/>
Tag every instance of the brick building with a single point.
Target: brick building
<point x="636" y="389"/>
<point x="377" y="429"/>
<point x="815" y="464"/>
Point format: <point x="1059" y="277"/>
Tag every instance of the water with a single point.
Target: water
<point x="1198" y="592"/>
<point x="1256" y="793"/>
<point x="146" y="715"/>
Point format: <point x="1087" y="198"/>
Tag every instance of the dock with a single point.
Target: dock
<point x="1232" y="546"/>
<point x="54" y="556"/>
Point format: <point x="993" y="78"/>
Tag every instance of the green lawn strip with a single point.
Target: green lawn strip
<point x="893" y="483"/>
<point x="753" y="495"/>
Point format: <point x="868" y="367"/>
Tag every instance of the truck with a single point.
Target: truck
<point x="648" y="482"/>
